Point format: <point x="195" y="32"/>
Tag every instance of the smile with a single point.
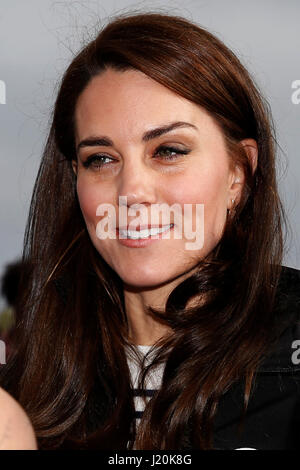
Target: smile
<point x="145" y="233"/>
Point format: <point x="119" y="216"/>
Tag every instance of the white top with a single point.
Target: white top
<point x="152" y="382"/>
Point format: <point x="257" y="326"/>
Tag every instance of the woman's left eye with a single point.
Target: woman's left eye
<point x="167" y="151"/>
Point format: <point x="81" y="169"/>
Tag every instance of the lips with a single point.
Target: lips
<point x="144" y="237"/>
<point x="144" y="233"/>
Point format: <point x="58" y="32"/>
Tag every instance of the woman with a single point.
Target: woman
<point x="154" y="112"/>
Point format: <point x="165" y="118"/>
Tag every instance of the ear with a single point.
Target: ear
<point x="237" y="176"/>
<point x="251" y="149"/>
<point x="74" y="166"/>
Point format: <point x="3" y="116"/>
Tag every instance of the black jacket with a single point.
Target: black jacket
<point x="272" y="420"/>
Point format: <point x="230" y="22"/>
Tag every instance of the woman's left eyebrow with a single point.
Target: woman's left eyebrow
<point x="95" y="141"/>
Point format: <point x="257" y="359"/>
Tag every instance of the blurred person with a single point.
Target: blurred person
<point x="11" y="284"/>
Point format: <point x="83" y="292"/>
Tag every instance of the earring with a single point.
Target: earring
<point x="229" y="210"/>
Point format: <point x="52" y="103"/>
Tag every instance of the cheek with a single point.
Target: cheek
<point x="208" y="187"/>
<point x="89" y="196"/>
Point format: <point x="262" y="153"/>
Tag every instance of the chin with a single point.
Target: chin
<point x="148" y="280"/>
<point x="143" y="283"/>
<point x="138" y="280"/>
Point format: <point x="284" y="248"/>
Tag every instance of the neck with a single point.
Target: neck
<point x="143" y="328"/>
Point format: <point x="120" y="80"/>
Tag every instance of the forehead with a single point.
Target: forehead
<point x="129" y="103"/>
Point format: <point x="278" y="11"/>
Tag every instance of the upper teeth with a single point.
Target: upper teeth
<point x="143" y="233"/>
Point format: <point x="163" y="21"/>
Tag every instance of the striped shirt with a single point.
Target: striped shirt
<point x="152" y="382"/>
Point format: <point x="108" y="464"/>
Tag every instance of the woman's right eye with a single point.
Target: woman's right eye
<point x="96" y="161"/>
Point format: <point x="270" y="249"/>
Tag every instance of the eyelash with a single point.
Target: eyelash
<point x="96" y="158"/>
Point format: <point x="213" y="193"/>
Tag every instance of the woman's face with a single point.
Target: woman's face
<point x="121" y="107"/>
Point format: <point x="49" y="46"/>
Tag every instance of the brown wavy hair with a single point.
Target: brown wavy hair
<point x="69" y="370"/>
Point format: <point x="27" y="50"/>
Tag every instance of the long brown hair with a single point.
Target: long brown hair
<point x="69" y="370"/>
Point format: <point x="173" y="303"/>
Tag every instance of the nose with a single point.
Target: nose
<point x="138" y="183"/>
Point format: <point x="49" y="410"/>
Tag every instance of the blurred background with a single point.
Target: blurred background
<point x="38" y="40"/>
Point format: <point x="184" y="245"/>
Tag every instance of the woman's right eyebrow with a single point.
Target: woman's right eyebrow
<point x="97" y="141"/>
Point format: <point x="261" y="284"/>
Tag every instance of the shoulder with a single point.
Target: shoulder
<point x="289" y="283"/>
<point x="284" y="356"/>
<point x="287" y="299"/>
<point x="16" y="431"/>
